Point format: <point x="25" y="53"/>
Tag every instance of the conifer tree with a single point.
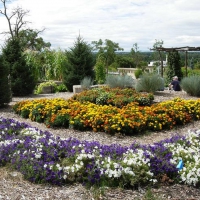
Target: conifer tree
<point x="5" y="92"/>
<point x="80" y="63"/>
<point x="22" y="79"/>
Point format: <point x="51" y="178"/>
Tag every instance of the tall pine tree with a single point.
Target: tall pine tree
<point x="22" y="79"/>
<point x="80" y="63"/>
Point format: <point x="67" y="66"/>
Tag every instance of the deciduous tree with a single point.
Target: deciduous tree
<point x="107" y="49"/>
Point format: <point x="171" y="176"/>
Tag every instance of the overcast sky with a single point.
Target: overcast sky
<point x="176" y="22"/>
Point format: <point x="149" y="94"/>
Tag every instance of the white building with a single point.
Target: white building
<point x="157" y="64"/>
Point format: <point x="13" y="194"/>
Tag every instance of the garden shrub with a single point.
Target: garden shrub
<point x="61" y="88"/>
<point x="125" y="81"/>
<point x="191" y="85"/>
<point x="40" y="87"/>
<point x="100" y="71"/>
<point x="138" y="73"/>
<point x="86" y="83"/>
<point x="150" y="83"/>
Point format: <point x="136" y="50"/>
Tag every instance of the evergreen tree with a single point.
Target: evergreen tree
<point x="22" y="79"/>
<point x="80" y="63"/>
<point x="174" y="66"/>
<point x="5" y="92"/>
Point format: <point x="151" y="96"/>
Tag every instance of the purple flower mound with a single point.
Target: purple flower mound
<point x="43" y="158"/>
<point x="160" y="164"/>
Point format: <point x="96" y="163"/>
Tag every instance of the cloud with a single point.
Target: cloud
<point x="176" y="22"/>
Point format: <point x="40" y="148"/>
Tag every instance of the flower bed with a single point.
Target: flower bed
<point x="44" y="158"/>
<point x="114" y="96"/>
<point x="130" y="119"/>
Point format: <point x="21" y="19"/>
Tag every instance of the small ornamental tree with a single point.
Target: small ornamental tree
<point x="100" y="71"/>
<point x="80" y="63"/>
<point x="22" y="79"/>
<point x="5" y="92"/>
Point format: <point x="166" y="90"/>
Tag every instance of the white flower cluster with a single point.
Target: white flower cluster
<point x="135" y="161"/>
<point x="110" y="168"/>
<point x="190" y="154"/>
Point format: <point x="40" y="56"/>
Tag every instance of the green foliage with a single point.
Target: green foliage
<point x="47" y="65"/>
<point x="190" y="72"/>
<point x="80" y="64"/>
<point x="5" y="90"/>
<point x="61" y="88"/>
<point x="54" y="87"/>
<point x="29" y="39"/>
<point x="150" y="83"/>
<point x="138" y="73"/>
<point x="156" y="55"/>
<point x="174" y="66"/>
<point x="124" y="62"/>
<point x="124" y="81"/>
<point x="113" y="96"/>
<point x="103" y="97"/>
<point x="86" y="83"/>
<point x="100" y="71"/>
<point x="22" y="78"/>
<point x="107" y="50"/>
<point x="191" y="85"/>
<point x="136" y="55"/>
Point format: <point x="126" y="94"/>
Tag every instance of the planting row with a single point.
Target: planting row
<point x="44" y="158"/>
<point x="129" y="119"/>
<point x="114" y="96"/>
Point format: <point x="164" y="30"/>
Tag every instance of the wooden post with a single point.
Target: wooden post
<point x="161" y="63"/>
<point x="186" y="63"/>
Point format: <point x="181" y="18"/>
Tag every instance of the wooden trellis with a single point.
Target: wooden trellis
<point x="183" y="49"/>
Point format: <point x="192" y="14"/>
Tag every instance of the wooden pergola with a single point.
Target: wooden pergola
<point x="183" y="49"/>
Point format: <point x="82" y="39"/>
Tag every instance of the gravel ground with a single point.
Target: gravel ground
<point x="14" y="187"/>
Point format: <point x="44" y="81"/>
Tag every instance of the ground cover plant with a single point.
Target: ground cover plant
<point x="44" y="158"/>
<point x="130" y="119"/>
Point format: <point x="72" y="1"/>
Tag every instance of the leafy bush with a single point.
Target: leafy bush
<point x="113" y="96"/>
<point x="100" y="71"/>
<point x="191" y="85"/>
<point x="138" y="73"/>
<point x="102" y="99"/>
<point x="150" y="83"/>
<point x="61" y="88"/>
<point x="86" y="83"/>
<point x="41" y="86"/>
<point x="115" y="81"/>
